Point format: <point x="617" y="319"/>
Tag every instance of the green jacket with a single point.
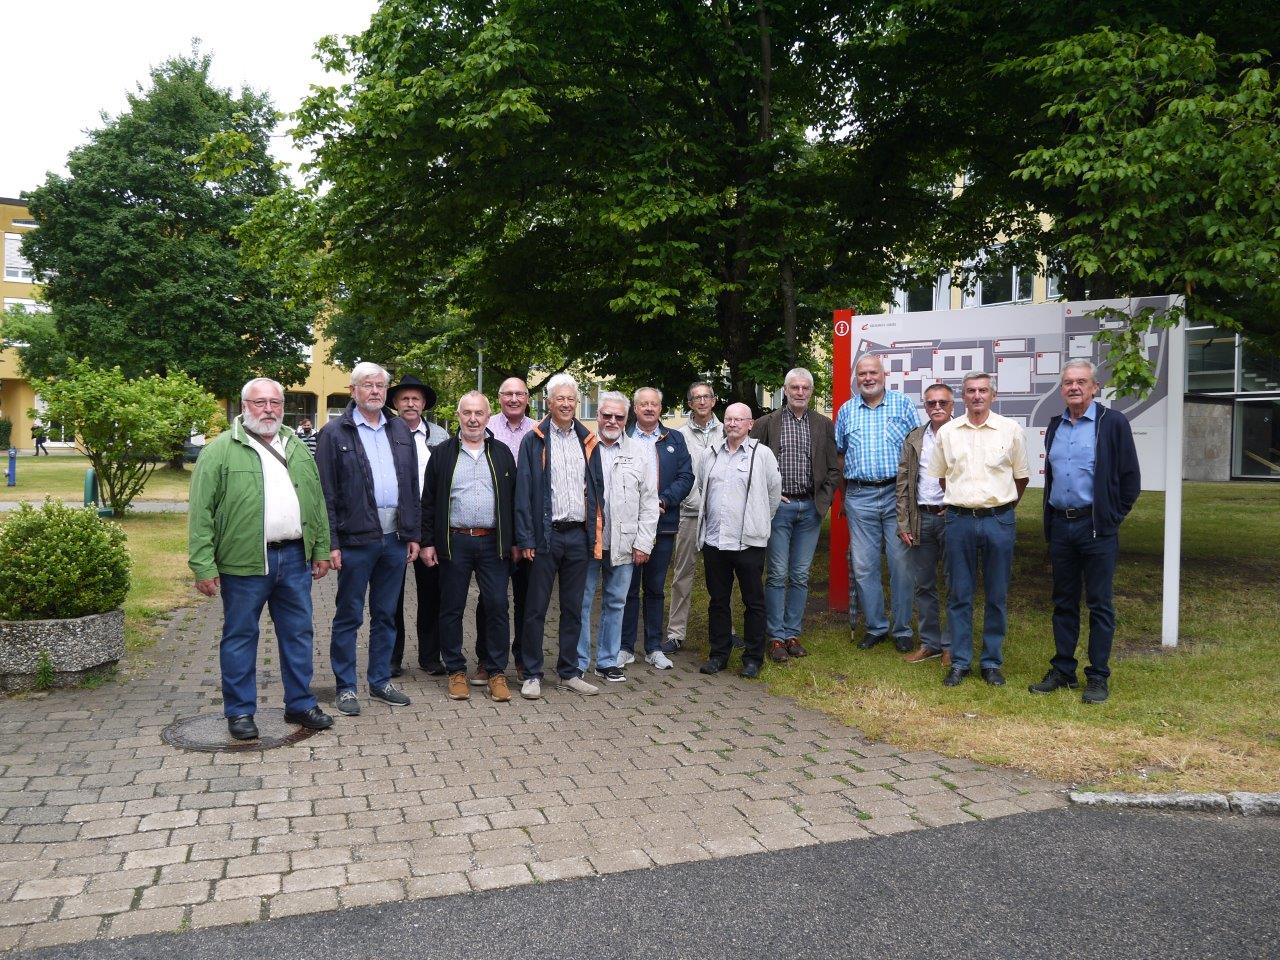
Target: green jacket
<point x="224" y="519"/>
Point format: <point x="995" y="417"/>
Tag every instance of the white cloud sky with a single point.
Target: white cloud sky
<point x="64" y="61"/>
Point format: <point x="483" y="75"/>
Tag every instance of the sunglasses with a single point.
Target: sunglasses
<point x="612" y="416"/>
<point x="937" y="403"/>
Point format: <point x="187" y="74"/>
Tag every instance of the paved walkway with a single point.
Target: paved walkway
<point x="105" y="831"/>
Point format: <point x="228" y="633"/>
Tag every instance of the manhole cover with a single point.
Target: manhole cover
<point x="209" y="733"/>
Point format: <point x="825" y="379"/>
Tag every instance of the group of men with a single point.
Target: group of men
<point x="522" y="506"/>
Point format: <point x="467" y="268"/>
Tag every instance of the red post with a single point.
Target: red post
<point x="841" y="375"/>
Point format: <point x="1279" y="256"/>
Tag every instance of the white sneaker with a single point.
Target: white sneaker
<point x="531" y="689"/>
<point x="659" y="660"/>
<point x="626" y="657"/>
<point x="578" y="685"/>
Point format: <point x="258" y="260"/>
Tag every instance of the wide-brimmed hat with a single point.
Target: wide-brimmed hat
<point x="410" y="382"/>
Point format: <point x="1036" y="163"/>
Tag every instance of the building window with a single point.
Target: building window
<point x="299" y="406"/>
<point x="27" y="305"/>
<point x="16" y="267"/>
<point x="1259" y="372"/>
<point x="1257" y="439"/>
<point x="926" y="295"/>
<point x="334" y="404"/>
<point x="1004" y="285"/>
<point x="590" y="401"/>
<point x="1211" y="360"/>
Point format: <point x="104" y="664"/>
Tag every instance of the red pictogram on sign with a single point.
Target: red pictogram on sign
<point x="842" y="328"/>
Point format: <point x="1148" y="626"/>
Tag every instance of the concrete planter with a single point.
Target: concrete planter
<point x="75" y="648"/>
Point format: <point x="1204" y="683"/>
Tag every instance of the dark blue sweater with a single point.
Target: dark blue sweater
<point x="1116" y="477"/>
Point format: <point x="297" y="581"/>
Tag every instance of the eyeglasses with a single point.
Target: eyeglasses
<point x="938" y="403"/>
<point x="264" y="404"/>
<point x="371" y="386"/>
<point x="620" y="417"/>
<point x="702" y="396"/>
<point x="513" y="394"/>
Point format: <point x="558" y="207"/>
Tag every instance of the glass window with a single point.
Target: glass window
<point x="1259" y="371"/>
<point x="920" y="297"/>
<point x="590" y="395"/>
<point x="1257" y="438"/>
<point x="996" y="286"/>
<point x="1024" y="281"/>
<point x="1211" y="359"/>
<point x="334" y="404"/>
<point x="299" y="406"/>
<point x="16" y="267"/>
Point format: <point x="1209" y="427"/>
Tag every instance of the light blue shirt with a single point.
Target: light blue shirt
<point x="871" y="438"/>
<point x="650" y="440"/>
<point x="1072" y="458"/>
<point x="377" y="447"/>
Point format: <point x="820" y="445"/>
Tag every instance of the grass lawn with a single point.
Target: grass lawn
<point x="161" y="579"/>
<point x="1203" y="716"/>
<point x="62" y="477"/>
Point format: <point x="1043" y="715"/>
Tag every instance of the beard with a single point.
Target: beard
<point x="611" y="433"/>
<point x="267" y="425"/>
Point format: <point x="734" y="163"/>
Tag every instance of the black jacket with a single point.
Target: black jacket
<point x="533" y="489"/>
<point x="437" y="485"/>
<point x="1117" y="480"/>
<point x="347" y="480"/>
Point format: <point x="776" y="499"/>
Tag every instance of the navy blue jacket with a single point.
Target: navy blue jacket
<point x="1117" y="480"/>
<point x="675" y="476"/>
<point x="437" y="488"/>
<point x="347" y="480"/>
<point x="533" y="489"/>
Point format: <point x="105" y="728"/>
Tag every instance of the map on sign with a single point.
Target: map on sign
<point x="1026" y="348"/>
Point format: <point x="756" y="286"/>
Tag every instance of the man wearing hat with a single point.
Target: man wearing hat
<point x="410" y="398"/>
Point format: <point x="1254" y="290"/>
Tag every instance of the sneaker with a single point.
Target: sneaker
<point x="458" y="687"/>
<point x="578" y="685"/>
<point x="626" y="658"/>
<point x="1054" y="680"/>
<point x="499" y="692"/>
<point x="1095" y="690"/>
<point x="531" y="689"/>
<point x="388" y="693"/>
<point x="348" y="703"/>
<point x="671" y="645"/>
<point x="659" y="661"/>
<point x="480" y="678"/>
<point x="612" y="674"/>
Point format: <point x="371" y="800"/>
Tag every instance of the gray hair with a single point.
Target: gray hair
<point x="879" y="361"/>
<point x="798" y="373"/>
<point x="558" y="381"/>
<point x="937" y="386"/>
<point x="244" y="391"/>
<point x="475" y="395"/>
<point x="1081" y="365"/>
<point x="695" y="385"/>
<point x="977" y="375"/>
<point x="613" y="396"/>
<point x="365" y="369"/>
<point x="636" y="396"/>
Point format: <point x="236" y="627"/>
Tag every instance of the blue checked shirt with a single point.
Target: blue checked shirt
<point x="871" y="438"/>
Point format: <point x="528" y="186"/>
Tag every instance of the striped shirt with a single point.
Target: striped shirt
<point x="871" y="438"/>
<point x="796" y="460"/>
<point x="568" y="474"/>
<point x="471" y="499"/>
<point x="502" y="430"/>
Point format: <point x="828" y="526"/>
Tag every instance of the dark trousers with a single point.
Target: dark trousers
<point x="468" y="555"/>
<point x="519" y="593"/>
<point x="1081" y="559"/>
<point x="566" y="557"/>
<point x="652" y="577"/>
<point x="428" y="629"/>
<point x="721" y="567"/>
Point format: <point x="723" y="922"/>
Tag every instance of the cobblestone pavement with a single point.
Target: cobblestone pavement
<point x="105" y="831"/>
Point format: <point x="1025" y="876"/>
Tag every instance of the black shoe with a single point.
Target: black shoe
<point x="954" y="676"/>
<point x="1095" y="690"/>
<point x="736" y="641"/>
<point x="612" y="674"/>
<point x="870" y="640"/>
<point x="712" y="666"/>
<point x="313" y="719"/>
<point x="242" y="727"/>
<point x="388" y="693"/>
<point x="903" y="644"/>
<point x="750" y="670"/>
<point x="435" y="670"/>
<point x="396" y="671"/>
<point x="993" y="676"/>
<point x="1054" y="680"/>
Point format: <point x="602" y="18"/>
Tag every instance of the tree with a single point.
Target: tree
<point x="651" y="191"/>
<point x="127" y="427"/>
<point x="34" y="335"/>
<point x="137" y="256"/>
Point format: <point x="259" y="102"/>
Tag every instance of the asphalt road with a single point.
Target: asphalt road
<point x="1064" y="883"/>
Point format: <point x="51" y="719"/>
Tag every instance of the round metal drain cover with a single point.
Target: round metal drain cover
<point x="210" y="734"/>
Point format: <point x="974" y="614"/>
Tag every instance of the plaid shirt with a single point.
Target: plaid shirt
<point x="796" y="462"/>
<point x="871" y="438"/>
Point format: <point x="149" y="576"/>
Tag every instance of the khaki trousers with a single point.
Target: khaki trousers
<point x="684" y="560"/>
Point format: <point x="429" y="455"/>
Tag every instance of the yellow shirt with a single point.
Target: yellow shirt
<point x="980" y="463"/>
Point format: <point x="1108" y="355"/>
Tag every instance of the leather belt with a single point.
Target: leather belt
<point x="935" y="509"/>
<point x="850" y="482"/>
<point x="281" y="544"/>
<point x="564" y="526"/>
<point x="472" y="531"/>
<point x="1074" y="513"/>
<point x="982" y="511"/>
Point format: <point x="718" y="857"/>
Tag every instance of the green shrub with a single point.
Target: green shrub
<point x="6" y="433"/>
<point x="56" y="562"/>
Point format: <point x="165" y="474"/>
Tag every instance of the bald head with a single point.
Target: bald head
<point x="737" y="424"/>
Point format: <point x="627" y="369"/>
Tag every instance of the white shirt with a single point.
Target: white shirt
<point x="928" y="489"/>
<point x="424" y="452"/>
<point x="281" y="514"/>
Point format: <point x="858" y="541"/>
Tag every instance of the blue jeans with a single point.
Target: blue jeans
<point x="1079" y="558"/>
<point x="972" y="541"/>
<point x="476" y="555"/>
<point x="286" y="592"/>
<point x="923" y="558"/>
<point x="873" y="530"/>
<point x="376" y="569"/>
<point x="617" y="581"/>
<point x="652" y="576"/>
<point x="792" y="539"/>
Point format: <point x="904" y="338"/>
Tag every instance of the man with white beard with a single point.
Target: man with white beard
<point x="258" y="530"/>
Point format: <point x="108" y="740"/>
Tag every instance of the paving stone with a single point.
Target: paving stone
<point x="563" y="869"/>
<point x="363" y="894"/>
<point x="220" y="913"/>
<point x="25" y="912"/>
<point x="307" y="901"/>
<point x="440" y="885"/>
<point x="175" y="894"/>
<point x="50" y="887"/>
<point x="490" y="878"/>
<point x="61" y="931"/>
<point x="96" y="904"/>
<point x="164" y="920"/>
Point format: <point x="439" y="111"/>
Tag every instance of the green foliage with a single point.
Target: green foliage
<point x="6" y="433"/>
<point x="56" y="562"/>
<point x="41" y="348"/>
<point x="126" y="427"/>
<point x="136" y="251"/>
<point x="44" y="671"/>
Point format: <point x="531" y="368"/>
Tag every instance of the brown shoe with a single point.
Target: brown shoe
<point x="458" y="689"/>
<point x="499" y="692"/>
<point x="480" y="678"/>
<point x="778" y="651"/>
<point x="921" y="655"/>
<point x="795" y="649"/>
<point x="946" y="659"/>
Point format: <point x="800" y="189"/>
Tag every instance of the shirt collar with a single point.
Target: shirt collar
<point x="860" y="401"/>
<point x="651" y="435"/>
<point x="1090" y="413"/>
<point x="800" y="419"/>
<point x="362" y="422"/>
<point x="711" y="424"/>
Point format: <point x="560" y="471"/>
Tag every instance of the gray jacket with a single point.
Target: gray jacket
<point x="631" y="502"/>
<point x="698" y="442"/>
<point x="764" y="494"/>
